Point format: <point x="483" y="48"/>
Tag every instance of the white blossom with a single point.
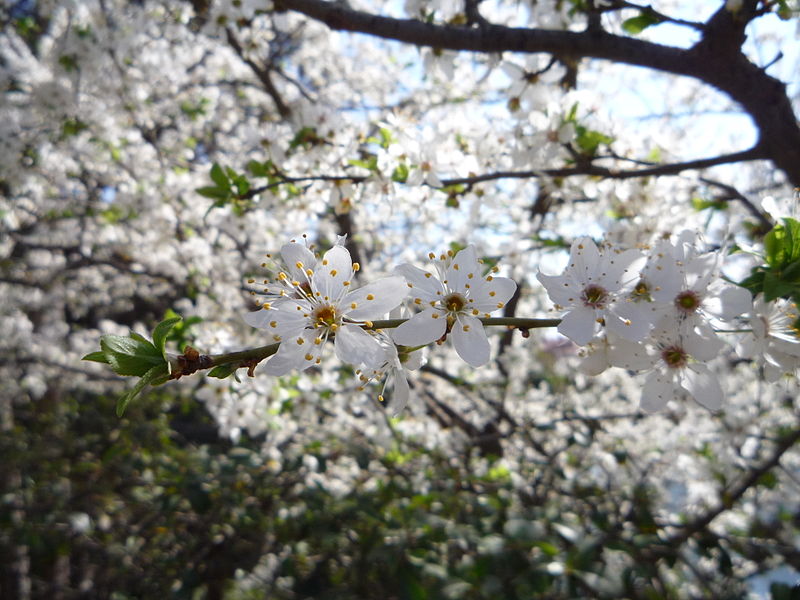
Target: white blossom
<point x="453" y="302"/>
<point x="314" y="300"/>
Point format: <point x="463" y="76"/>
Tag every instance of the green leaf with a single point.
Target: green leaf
<point x="219" y="177"/>
<point x="155" y="373"/>
<point x="775" y="287"/>
<point x="222" y="371"/>
<point x="637" y="25"/>
<point x="96" y="357"/>
<point x="214" y="192"/>
<point x="130" y="357"/>
<point x="161" y="332"/>
<point x="400" y="173"/>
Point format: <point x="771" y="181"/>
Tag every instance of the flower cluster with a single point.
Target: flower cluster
<point x="660" y="312"/>
<point x="312" y="300"/>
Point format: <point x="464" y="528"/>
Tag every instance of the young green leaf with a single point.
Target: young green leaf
<point x="130" y="356"/>
<point x="154" y="374"/>
<point x="96" y="357"/>
<point x="161" y="332"/>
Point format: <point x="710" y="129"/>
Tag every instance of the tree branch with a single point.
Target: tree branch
<point x="716" y="60"/>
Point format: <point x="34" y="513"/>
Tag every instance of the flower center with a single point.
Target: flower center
<point x="594" y="296"/>
<point x="674" y="357"/>
<point x="687" y="302"/>
<point x="324" y="316"/>
<point x="454" y="302"/>
<point x="641" y="292"/>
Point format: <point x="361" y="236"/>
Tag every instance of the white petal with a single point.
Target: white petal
<point x="421" y="284"/>
<point x="630" y="355"/>
<point x="658" y="390"/>
<point x="595" y="363"/>
<point x="335" y="268"/>
<point x="620" y="270"/>
<point x="464" y="264"/>
<point x="700" y="270"/>
<point x="470" y="340"/>
<point x="584" y="258"/>
<point x="375" y="299"/>
<point x="294" y="253"/>
<point x="730" y="302"/>
<point x="423" y="328"/>
<point x="492" y="294"/>
<point x="703" y="385"/>
<point x="356" y="347"/>
<point x="562" y="289"/>
<point x="400" y="393"/>
<point x="294" y="353"/>
<point x="702" y="342"/>
<point x="626" y="320"/>
<point x="579" y="325"/>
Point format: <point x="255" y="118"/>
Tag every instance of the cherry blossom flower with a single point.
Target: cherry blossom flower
<point x="690" y="290"/>
<point x="393" y="369"/>
<point x="677" y="369"/>
<point x="453" y="302"/>
<point x="774" y="340"/>
<point x="313" y="300"/>
<point x="589" y="290"/>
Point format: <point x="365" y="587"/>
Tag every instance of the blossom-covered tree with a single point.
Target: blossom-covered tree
<point x="589" y="390"/>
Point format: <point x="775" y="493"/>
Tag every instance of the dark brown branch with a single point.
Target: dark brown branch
<point x="262" y="73"/>
<point x="716" y="60"/>
<point x="734" y="493"/>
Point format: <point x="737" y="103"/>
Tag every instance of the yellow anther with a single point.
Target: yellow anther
<point x="300" y="341"/>
<point x="309" y="356"/>
<point x="465" y="327"/>
<point x="409" y="285"/>
<point x="428" y="275"/>
<point x="317" y="341"/>
<point x="492" y="294"/>
<point x="417" y="301"/>
<point x="431" y="255"/>
<point x="368" y="324"/>
<point x="471" y="275"/>
<point x="334" y="272"/>
<point x="299" y="265"/>
<point x="353" y="305"/>
<point x="356" y="267"/>
<point x="380" y="398"/>
<point x="489" y="278"/>
<point x="251" y="281"/>
<point x="273" y="324"/>
<point x="455" y="267"/>
<point x="309" y="272"/>
<point x="266" y="306"/>
<point x="500" y="305"/>
<point x="370" y="297"/>
<point x="435" y="315"/>
<point x="345" y="283"/>
<point x="324" y="262"/>
<point x="476" y="312"/>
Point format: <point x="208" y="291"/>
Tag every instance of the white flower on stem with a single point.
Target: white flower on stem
<point x="690" y="289"/>
<point x="612" y="351"/>
<point x="589" y="290"/>
<point x="314" y="300"/>
<point x="453" y="303"/>
<point x="393" y="369"/>
<point x="775" y="339"/>
<point x="677" y="369"/>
